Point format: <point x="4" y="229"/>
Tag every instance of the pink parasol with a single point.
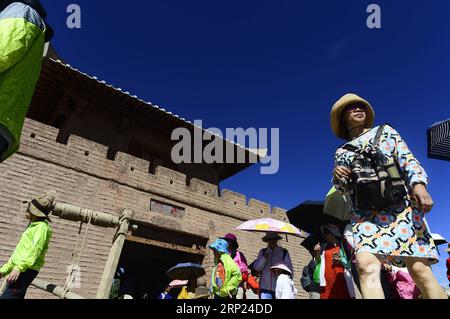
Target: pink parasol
<point x="269" y="225"/>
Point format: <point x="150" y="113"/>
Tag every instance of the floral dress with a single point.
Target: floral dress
<point x="394" y="232"/>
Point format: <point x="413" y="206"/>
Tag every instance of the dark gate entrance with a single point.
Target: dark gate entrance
<point x="146" y="256"/>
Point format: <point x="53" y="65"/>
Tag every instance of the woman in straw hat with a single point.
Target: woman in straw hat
<point x="29" y="255"/>
<point x="267" y="258"/>
<point x="396" y="234"/>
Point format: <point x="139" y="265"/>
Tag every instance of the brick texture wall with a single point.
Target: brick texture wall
<point x="83" y="176"/>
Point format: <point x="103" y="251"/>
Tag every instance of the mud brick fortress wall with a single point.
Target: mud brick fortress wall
<point x="82" y="175"/>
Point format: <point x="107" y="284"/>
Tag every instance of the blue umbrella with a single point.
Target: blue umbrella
<point x="186" y="271"/>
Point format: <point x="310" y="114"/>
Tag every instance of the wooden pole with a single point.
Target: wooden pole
<point x="78" y="214"/>
<point x="155" y="243"/>
<point x="114" y="255"/>
<point x="3" y="287"/>
<point x="74" y="213"/>
<point x="55" y="290"/>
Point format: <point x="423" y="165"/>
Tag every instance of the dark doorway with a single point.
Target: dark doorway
<point x="145" y="259"/>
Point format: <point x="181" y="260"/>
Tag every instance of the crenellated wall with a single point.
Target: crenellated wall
<point x="82" y="175"/>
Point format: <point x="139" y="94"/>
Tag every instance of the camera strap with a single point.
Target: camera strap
<point x="377" y="139"/>
<point x="375" y="143"/>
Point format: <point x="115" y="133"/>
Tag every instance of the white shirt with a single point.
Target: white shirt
<point x="285" y="288"/>
<point x="268" y="279"/>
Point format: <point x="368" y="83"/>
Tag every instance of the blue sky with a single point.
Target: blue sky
<point x="276" y="64"/>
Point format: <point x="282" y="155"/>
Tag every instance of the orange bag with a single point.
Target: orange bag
<point x="253" y="283"/>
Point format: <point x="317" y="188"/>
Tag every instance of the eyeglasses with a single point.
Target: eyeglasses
<point x="353" y="107"/>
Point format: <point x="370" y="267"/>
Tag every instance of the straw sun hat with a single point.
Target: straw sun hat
<point x="337" y="126"/>
<point x="271" y="236"/>
<point x="282" y="267"/>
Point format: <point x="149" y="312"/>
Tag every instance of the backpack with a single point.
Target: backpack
<point x="253" y="284"/>
<point x="258" y="273"/>
<point x="243" y="258"/>
<point x="376" y="180"/>
<point x="306" y="279"/>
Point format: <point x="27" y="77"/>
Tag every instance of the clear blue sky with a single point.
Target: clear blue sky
<point x="276" y="64"/>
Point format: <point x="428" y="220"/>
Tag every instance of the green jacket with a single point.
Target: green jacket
<point x="233" y="277"/>
<point x="31" y="249"/>
<point x="345" y="261"/>
<point x="22" y="34"/>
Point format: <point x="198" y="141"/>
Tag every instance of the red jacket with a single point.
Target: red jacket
<point x="448" y="269"/>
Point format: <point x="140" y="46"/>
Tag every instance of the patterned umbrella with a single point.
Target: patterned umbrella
<point x="178" y="283"/>
<point x="438" y="239"/>
<point x="269" y="225"/>
<point x="439" y="141"/>
<point x="186" y="271"/>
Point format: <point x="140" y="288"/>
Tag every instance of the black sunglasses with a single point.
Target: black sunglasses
<point x="353" y="107"/>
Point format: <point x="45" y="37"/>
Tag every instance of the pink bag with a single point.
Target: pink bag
<point x="404" y="284"/>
